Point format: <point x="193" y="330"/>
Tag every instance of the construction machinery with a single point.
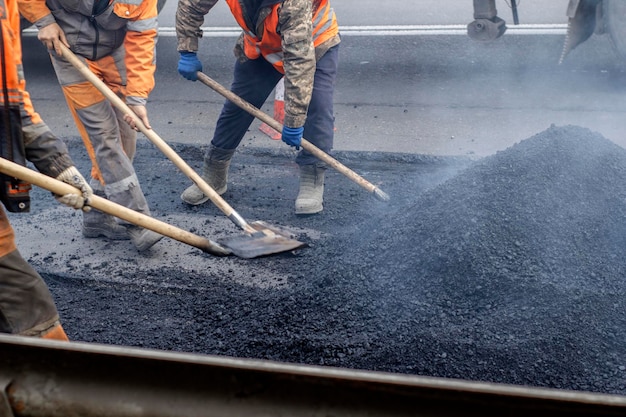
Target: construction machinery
<point x="585" y="18"/>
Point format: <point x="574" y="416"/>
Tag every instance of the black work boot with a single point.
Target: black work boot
<point x="311" y="195"/>
<point x="214" y="172"/>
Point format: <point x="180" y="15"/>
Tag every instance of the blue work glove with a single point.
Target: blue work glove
<point x="189" y="65"/>
<point x="292" y="136"/>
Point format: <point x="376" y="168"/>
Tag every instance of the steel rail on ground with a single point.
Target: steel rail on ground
<point x="50" y="378"/>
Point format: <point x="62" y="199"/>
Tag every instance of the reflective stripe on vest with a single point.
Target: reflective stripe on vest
<point x="270" y="45"/>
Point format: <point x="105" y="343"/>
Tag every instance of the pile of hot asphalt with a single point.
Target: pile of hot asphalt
<point x="510" y="270"/>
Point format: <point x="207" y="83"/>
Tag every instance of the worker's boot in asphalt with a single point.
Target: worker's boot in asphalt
<point x="97" y="224"/>
<point x="311" y="195"/>
<point x="143" y="239"/>
<point x="214" y="172"/>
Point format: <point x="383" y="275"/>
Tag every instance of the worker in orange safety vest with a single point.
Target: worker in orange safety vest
<point x="116" y="40"/>
<point x="297" y="39"/>
<point x="26" y="305"/>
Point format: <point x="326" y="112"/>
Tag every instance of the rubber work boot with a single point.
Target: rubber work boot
<point x="311" y="195"/>
<point x="142" y="238"/>
<point x="97" y="223"/>
<point x="214" y="172"/>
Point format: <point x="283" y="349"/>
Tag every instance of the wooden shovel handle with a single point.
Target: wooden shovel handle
<point x="157" y="141"/>
<point x="60" y="188"/>
<point x="276" y="125"/>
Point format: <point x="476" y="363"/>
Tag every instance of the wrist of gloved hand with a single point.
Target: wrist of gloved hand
<point x="189" y="65"/>
<point x="74" y="178"/>
<point x="292" y="136"/>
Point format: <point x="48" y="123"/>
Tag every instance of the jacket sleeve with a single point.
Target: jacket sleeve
<point x="47" y="152"/>
<point x="36" y="12"/>
<point x="140" y="44"/>
<point x="295" y="25"/>
<point x="189" y="19"/>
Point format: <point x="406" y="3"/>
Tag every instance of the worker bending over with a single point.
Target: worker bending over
<point x="297" y="39"/>
<point x="117" y="41"/>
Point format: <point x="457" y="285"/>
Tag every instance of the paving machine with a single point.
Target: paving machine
<point x="585" y="18"/>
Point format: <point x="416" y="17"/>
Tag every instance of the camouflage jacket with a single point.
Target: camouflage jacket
<point x="295" y="22"/>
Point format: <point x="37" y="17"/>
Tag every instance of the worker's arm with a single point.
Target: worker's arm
<point x="189" y="20"/>
<point x="295" y="25"/>
<point x="50" y="156"/>
<point x="140" y="59"/>
<point x="49" y="32"/>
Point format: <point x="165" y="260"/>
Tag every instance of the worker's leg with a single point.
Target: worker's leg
<point x="26" y="305"/>
<point x="319" y="130"/>
<point x="100" y="131"/>
<point x="253" y="81"/>
<point x="99" y="127"/>
<point x="128" y="135"/>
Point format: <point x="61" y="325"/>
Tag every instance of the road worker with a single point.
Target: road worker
<point x="294" y="39"/>
<point x="26" y="305"/>
<point x="117" y="41"/>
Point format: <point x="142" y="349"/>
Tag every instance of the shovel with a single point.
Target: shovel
<point x="60" y="188"/>
<point x="260" y="239"/>
<point x="274" y="124"/>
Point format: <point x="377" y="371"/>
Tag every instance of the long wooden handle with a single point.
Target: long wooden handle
<point x="157" y="141"/>
<point x="60" y="188"/>
<point x="276" y="125"/>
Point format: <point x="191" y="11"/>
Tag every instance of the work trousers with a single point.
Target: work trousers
<point x="109" y="140"/>
<point x="254" y="80"/>
<point x="26" y="305"/>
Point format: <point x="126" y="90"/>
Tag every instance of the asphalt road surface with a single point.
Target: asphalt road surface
<point x="412" y="112"/>
<point x="437" y="95"/>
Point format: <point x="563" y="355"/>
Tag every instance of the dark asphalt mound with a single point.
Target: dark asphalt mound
<point x="508" y="270"/>
<point x="512" y="271"/>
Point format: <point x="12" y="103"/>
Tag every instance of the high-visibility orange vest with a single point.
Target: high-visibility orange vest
<point x="270" y="44"/>
<point x="9" y="20"/>
<point x="12" y="52"/>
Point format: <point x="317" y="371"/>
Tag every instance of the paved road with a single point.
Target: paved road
<point x="401" y="12"/>
<point x="444" y="95"/>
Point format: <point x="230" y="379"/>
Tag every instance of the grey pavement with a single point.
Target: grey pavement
<point x="440" y="95"/>
<point x="431" y="95"/>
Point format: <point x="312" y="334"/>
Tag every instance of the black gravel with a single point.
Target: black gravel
<point x="507" y="269"/>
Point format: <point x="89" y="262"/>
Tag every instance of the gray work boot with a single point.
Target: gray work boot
<point x="97" y="223"/>
<point x="143" y="239"/>
<point x="311" y="195"/>
<point x="214" y="172"/>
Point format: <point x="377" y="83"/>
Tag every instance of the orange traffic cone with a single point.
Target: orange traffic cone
<point x="279" y="111"/>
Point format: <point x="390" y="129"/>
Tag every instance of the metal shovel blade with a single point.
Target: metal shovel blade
<point x="266" y="240"/>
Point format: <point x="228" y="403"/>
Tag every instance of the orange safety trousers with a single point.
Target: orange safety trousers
<point x="91" y="110"/>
